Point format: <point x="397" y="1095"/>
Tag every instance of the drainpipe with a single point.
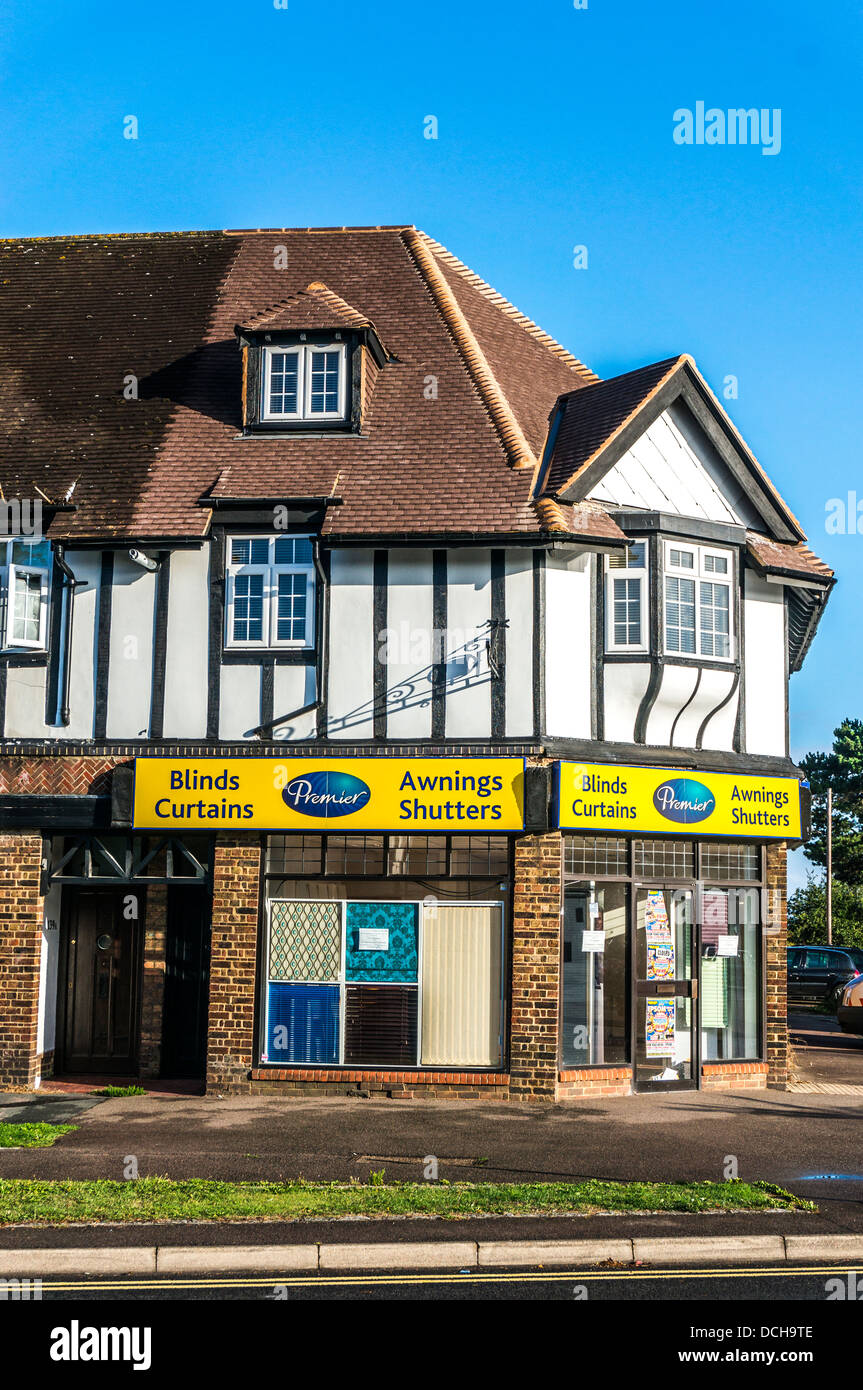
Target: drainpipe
<point x="70" y="584"/>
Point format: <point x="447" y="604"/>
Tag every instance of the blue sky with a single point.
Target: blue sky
<point x="554" y="130"/>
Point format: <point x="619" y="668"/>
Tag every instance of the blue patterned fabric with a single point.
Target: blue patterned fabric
<point x="303" y="1023"/>
<point x="398" y="965"/>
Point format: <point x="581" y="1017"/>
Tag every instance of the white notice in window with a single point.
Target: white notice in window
<point x="727" y="945"/>
<point x="593" y="941"/>
<point x="374" y="939"/>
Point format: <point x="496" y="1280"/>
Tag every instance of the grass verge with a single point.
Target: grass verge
<point x="162" y="1199"/>
<point x="38" y="1136"/>
<point x="114" y="1092"/>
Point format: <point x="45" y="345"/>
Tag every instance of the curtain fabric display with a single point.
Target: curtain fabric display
<point x="343" y="983"/>
<point x="461" y="1013"/>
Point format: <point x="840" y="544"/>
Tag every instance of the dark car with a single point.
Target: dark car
<point x="850" y="1009"/>
<point x="816" y="974"/>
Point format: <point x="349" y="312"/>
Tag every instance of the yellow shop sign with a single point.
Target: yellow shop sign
<point x="435" y="795"/>
<point x="612" y="799"/>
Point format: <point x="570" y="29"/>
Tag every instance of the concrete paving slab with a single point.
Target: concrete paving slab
<point x="553" y="1252"/>
<point x="456" y="1254"/>
<point x="105" y="1260"/>
<point x="704" y="1249"/>
<point x="269" y="1259"/>
<point x="825" y="1247"/>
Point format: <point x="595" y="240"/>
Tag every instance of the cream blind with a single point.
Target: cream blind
<point x="461" y="983"/>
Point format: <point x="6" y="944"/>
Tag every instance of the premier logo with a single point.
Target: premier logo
<point x="77" y="1343"/>
<point x="326" y="794"/>
<point x="684" y="800"/>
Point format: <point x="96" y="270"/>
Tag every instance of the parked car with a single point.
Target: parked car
<point x="817" y="974"/>
<point x="849" y="1012"/>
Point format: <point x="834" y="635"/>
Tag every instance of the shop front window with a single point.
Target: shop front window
<point x="594" y="1008"/>
<point x="372" y="964"/>
<point x="730" y="974"/>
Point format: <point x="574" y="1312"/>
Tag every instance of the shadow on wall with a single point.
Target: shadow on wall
<point x="473" y="664"/>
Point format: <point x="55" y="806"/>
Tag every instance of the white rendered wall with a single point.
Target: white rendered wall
<point x="764" y="648"/>
<point x="568" y="656"/>
<point x="187" y="645"/>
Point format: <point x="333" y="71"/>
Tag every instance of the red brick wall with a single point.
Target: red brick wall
<point x="63" y="776"/>
<point x="776" y="936"/>
<point x="594" y="1081"/>
<point x="236" y="886"/>
<point x="20" y="950"/>
<point x="535" y="967"/>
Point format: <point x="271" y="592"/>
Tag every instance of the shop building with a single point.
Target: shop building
<point x="386" y="702"/>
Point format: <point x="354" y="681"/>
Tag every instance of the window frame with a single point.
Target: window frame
<point x="698" y="574"/>
<point x="641" y="574"/>
<point x="269" y="641"/>
<point x="10" y="571"/>
<point x="304" y="414"/>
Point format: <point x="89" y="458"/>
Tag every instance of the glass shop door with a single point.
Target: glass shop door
<point x="666" y="989"/>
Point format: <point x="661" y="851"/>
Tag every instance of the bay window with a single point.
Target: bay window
<point x="270" y="592"/>
<point x="697" y="601"/>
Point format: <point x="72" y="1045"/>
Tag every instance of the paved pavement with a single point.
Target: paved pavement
<point x="826" y="1058"/>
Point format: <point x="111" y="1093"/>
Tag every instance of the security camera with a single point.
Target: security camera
<point x="139" y="558"/>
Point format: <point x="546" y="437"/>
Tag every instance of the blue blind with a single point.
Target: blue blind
<point x="303" y="1023"/>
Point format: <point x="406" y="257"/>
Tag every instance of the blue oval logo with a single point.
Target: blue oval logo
<point x="326" y="794"/>
<point x="685" y="800"/>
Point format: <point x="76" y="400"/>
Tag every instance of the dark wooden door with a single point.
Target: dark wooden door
<point x="99" y="1025"/>
<point x="187" y="973"/>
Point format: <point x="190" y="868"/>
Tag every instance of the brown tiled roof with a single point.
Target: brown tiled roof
<point x="315" y="307"/>
<point x="592" y="417"/>
<point x="776" y="557"/>
<point x="81" y="316"/>
<point x="585" y="519"/>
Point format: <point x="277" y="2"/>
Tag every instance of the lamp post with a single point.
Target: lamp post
<point x="829" y="866"/>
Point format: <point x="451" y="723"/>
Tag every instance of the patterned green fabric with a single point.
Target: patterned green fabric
<point x="398" y="963"/>
<point x="305" y="941"/>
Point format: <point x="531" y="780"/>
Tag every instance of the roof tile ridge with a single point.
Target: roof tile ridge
<point x="486" y="384"/>
<point x="333" y="300"/>
<point x="500" y="302"/>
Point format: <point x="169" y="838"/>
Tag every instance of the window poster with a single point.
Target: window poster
<point x="660" y="943"/>
<point x="659" y="1027"/>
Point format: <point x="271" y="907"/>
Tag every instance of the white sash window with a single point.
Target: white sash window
<point x="304" y="382"/>
<point x="270" y="598"/>
<point x="698" y="618"/>
<point x="626" y="600"/>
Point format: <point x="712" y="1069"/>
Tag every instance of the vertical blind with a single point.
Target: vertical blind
<point x="461" y="972"/>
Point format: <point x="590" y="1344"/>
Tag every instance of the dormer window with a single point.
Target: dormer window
<point x="304" y="382"/>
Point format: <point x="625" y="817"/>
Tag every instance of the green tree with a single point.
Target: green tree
<point x="841" y="769"/>
<point x="807" y="914"/>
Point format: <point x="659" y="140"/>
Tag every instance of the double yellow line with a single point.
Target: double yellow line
<point x="546" y="1276"/>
